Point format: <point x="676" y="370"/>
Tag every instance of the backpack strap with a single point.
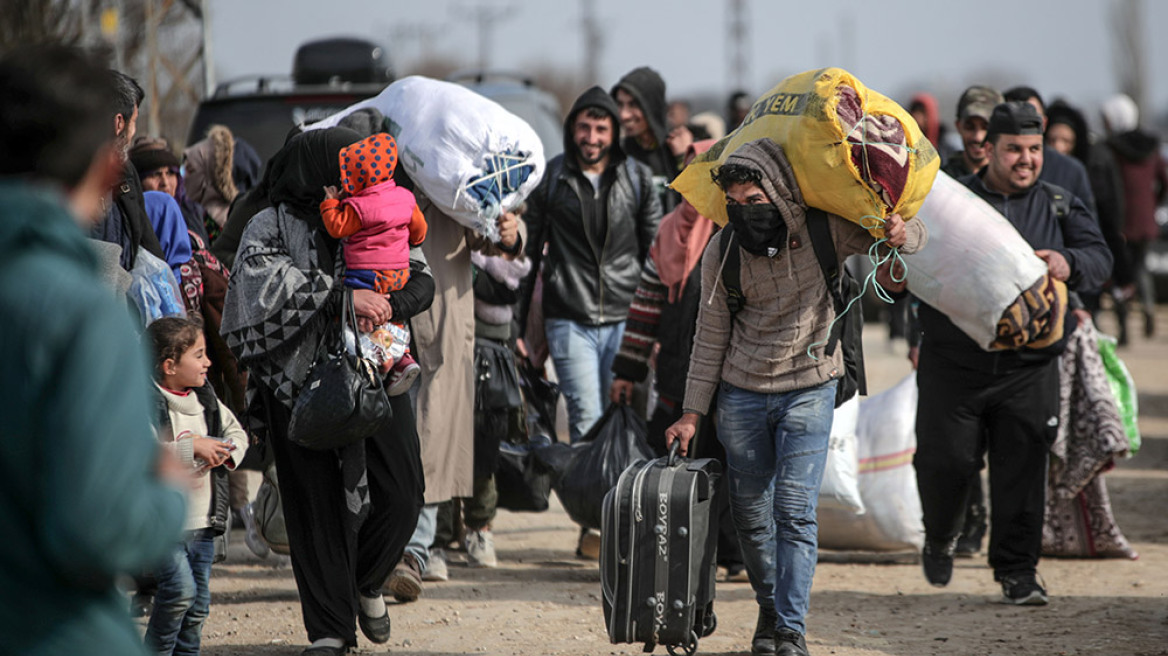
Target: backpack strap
<point x="821" y="242"/>
<point x="731" y="259"/>
<point x="210" y="403"/>
<point x="1060" y="200"/>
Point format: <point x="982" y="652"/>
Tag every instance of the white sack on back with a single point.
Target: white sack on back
<point x="840" y="489"/>
<point x="886" y="436"/>
<point x="975" y="264"/>
<point x="452" y="141"/>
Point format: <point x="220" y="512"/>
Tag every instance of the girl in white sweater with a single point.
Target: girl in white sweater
<point x="206" y="436"/>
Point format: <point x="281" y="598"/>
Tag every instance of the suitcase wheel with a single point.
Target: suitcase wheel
<point x="689" y="649"/>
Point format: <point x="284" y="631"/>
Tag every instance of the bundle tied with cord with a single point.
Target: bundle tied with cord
<point x="855" y="153"/>
<point x="469" y="155"/>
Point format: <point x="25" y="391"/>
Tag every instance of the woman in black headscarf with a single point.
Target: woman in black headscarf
<point x="349" y="512"/>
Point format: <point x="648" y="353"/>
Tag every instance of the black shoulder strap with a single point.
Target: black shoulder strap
<point x="1060" y="199"/>
<point x="731" y="259"/>
<point x="210" y="403"/>
<point x="820" y="230"/>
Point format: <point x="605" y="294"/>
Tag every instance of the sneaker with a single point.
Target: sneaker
<point x="937" y="561"/>
<point x="255" y="543"/>
<point x="402" y="376"/>
<point x="789" y="642"/>
<point x="405" y="582"/>
<point x="436" y="569"/>
<point x="763" y="642"/>
<point x="588" y="548"/>
<point x="480" y="548"/>
<point x="1023" y="590"/>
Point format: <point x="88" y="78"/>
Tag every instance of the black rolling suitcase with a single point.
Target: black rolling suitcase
<point x="658" y="551"/>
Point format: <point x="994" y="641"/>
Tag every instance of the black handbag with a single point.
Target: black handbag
<point x="343" y="400"/>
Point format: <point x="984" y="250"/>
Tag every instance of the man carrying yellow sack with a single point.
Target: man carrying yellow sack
<point x="1005" y="402"/>
<point x="775" y="381"/>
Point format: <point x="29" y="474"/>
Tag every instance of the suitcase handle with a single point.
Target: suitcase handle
<point x="673" y="448"/>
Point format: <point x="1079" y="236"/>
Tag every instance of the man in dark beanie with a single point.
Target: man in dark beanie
<point x="1004" y="402"/>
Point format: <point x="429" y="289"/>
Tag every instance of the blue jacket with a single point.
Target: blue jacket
<point x="79" y="500"/>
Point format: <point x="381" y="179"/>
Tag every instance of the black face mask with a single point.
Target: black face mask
<point x="759" y="229"/>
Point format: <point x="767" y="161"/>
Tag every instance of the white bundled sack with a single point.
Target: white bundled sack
<point x="840" y="489"/>
<point x="886" y="434"/>
<point x="975" y="264"/>
<point x="464" y="151"/>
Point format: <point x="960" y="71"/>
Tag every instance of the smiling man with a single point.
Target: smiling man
<point x="973" y="120"/>
<point x="1005" y="403"/>
<point x="597" y="214"/>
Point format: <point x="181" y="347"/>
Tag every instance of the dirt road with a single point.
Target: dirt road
<point x="541" y="600"/>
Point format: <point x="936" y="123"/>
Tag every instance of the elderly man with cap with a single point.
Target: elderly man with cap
<point x="1005" y="403"/>
<point x="973" y="120"/>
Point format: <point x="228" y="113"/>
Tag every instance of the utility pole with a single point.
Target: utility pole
<point x="208" y="58"/>
<point x="737" y="45"/>
<point x="593" y="41"/>
<point x="485" y="18"/>
<point x="1130" y="49"/>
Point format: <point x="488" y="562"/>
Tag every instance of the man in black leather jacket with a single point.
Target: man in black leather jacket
<point x="597" y="214"/>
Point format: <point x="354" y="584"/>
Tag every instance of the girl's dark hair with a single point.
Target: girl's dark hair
<point x="170" y="337"/>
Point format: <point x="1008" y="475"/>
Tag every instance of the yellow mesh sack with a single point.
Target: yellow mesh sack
<point x="841" y="153"/>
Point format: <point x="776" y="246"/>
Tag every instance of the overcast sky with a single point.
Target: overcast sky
<point x="1061" y="47"/>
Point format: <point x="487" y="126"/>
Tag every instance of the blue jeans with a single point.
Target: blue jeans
<point x="776" y="451"/>
<point x="183" y="599"/>
<point x="583" y="358"/>
<point x="423" y="537"/>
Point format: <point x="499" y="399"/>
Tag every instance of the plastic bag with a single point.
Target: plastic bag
<point x="840" y="489"/>
<point x="1124" y="388"/>
<point x="854" y="152"/>
<point x="269" y="513"/>
<point x="616" y="441"/>
<point x="887" y="440"/>
<point x="540" y="398"/>
<point x="467" y="153"/>
<point x="154" y="289"/>
<point x="523" y="481"/>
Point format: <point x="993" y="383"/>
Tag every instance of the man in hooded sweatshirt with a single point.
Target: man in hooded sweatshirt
<point x="1145" y="185"/>
<point x="775" y="383"/>
<point x="597" y="214"/>
<point x="647" y="138"/>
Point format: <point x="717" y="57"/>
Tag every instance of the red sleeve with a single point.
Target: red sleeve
<point x="417" y="227"/>
<point x="340" y="220"/>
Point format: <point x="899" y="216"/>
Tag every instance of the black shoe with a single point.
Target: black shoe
<point x="937" y="561"/>
<point x="374" y="628"/>
<point x="1023" y="590"/>
<point x="789" y="642"/>
<point x="325" y="651"/>
<point x="763" y="642"/>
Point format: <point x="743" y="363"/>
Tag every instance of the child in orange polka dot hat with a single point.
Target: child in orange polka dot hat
<point x="379" y="222"/>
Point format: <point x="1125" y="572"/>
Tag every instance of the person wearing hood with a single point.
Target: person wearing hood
<point x="86" y="496"/>
<point x="1145" y="185"/>
<point x="1067" y="133"/>
<point x="596" y="212"/>
<point x="774" y="382"/>
<point x="208" y="176"/>
<point x="659" y="334"/>
<point x="923" y="109"/>
<point x="646" y="135"/>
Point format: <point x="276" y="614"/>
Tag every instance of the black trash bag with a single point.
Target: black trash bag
<point x="540" y="397"/>
<point x="498" y="404"/>
<point x="615" y="442"/>
<point x="523" y="481"/>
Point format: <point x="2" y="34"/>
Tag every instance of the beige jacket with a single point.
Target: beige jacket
<point x="444" y="336"/>
<point x="788" y="307"/>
